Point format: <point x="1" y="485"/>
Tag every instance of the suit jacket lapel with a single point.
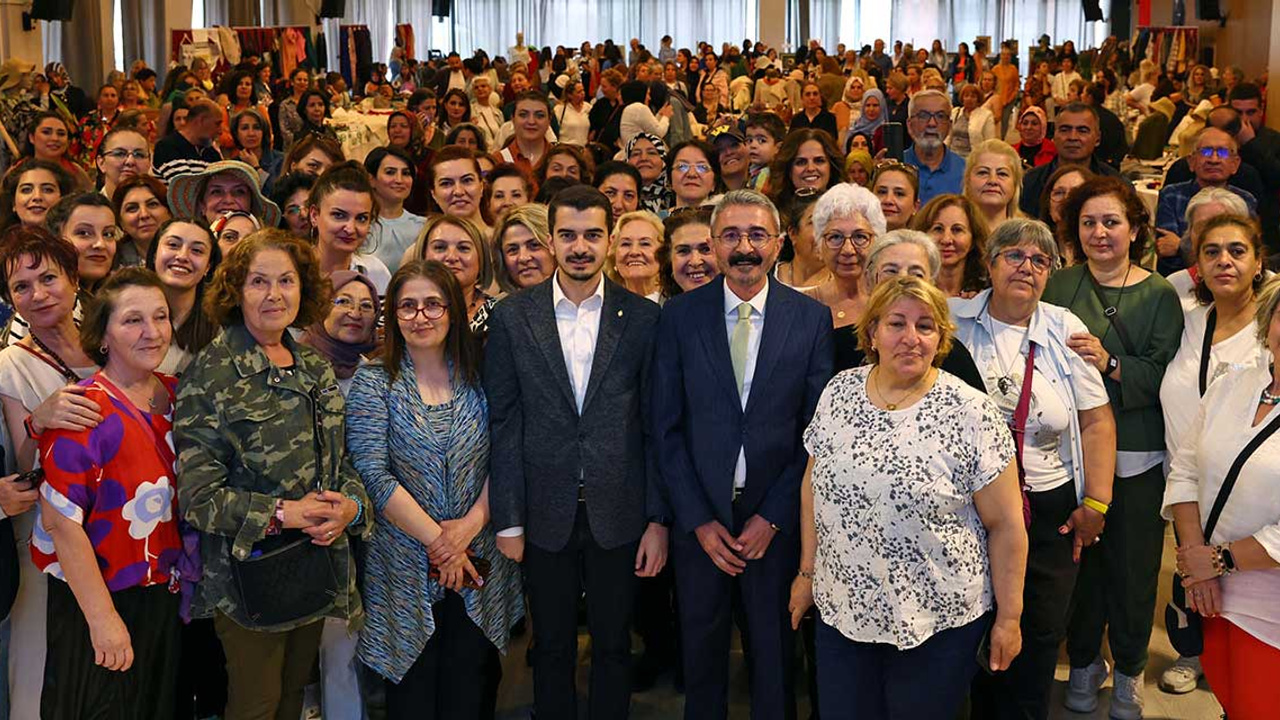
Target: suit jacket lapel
<point x="612" y="322"/>
<point x="715" y="339"/>
<point x="773" y="338"/>
<point x="542" y="321"/>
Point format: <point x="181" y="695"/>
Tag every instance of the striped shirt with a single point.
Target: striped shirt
<point x="175" y="155"/>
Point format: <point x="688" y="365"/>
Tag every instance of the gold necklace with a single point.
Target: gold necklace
<point x="914" y="388"/>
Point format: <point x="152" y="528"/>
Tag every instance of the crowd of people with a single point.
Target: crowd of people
<point x="675" y="341"/>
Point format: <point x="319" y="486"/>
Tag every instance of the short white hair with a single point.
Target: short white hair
<point x="905" y="237"/>
<point x="844" y="201"/>
<point x="1234" y="204"/>
<point x="911" y="105"/>
<point x="748" y="198"/>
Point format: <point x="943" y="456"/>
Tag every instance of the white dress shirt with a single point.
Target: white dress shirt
<point x="579" y="327"/>
<point x="731" y="302"/>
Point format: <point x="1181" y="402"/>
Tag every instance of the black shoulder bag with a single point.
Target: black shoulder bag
<point x="1183" y="625"/>
<point x="287" y="577"/>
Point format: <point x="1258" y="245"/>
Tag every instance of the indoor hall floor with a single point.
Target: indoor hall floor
<point x="664" y="703"/>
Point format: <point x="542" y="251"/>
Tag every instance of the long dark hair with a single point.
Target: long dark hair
<point x="460" y="346"/>
<point x="198" y="329"/>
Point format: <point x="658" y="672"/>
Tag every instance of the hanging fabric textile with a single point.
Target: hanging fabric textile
<point x="404" y="38"/>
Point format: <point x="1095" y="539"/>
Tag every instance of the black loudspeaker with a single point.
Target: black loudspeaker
<point x="1208" y="10"/>
<point x="58" y="10"/>
<point x="1092" y="10"/>
<point x="441" y="8"/>
<point x="333" y="8"/>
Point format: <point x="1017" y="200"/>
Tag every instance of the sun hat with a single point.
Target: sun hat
<point x="185" y="191"/>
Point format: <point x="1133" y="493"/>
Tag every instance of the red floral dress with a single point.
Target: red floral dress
<point x="117" y="482"/>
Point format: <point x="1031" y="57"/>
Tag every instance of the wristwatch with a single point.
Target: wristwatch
<point x="1113" y="363"/>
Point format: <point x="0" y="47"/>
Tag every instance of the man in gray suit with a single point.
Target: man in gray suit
<point x="573" y="492"/>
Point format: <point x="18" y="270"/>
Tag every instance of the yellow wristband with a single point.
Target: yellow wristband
<point x="1098" y="505"/>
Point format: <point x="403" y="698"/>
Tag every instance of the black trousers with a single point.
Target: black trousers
<point x="555" y="581"/>
<point x="1022" y="691"/>
<point x="77" y="689"/>
<point x="201" y="689"/>
<point x="655" y="617"/>
<point x="455" y="678"/>
<point x="709" y="602"/>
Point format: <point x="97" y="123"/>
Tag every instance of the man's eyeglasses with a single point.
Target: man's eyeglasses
<point x="925" y="116"/>
<point x="731" y="237"/>
<point x="1221" y="152"/>
<point x="432" y="310"/>
<point x="1039" y="261"/>
<point x="347" y="305"/>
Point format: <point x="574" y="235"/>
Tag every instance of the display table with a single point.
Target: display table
<point x="359" y="131"/>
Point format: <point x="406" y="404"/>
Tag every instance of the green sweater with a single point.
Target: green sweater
<point x="1152" y="318"/>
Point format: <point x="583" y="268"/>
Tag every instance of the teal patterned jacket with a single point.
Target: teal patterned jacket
<point x="244" y="434"/>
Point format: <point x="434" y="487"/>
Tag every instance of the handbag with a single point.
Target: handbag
<point x="287" y="577"/>
<point x="1183" y="625"/>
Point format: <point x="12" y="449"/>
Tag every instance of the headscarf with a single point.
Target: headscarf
<point x="345" y="357"/>
<point x="864" y="125"/>
<point x="655" y="197"/>
<point x="861" y="157"/>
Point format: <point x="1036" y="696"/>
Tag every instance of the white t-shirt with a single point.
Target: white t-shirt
<point x="575" y="125"/>
<point x="389" y="238"/>
<point x="1048" y="417"/>
<point x="1180" y="388"/>
<point x="902" y="553"/>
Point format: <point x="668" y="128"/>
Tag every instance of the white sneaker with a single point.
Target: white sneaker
<point x="1182" y="676"/>
<point x="1082" y="688"/>
<point x="1126" y="697"/>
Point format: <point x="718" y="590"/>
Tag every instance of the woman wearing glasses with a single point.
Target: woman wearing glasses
<point x="124" y="153"/>
<point x="440" y="597"/>
<point x="1066" y="456"/>
<point x="1133" y="325"/>
<point x="694" y="174"/>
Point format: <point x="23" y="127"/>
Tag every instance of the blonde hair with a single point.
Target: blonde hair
<point x="530" y="216"/>
<point x="485" y="277"/>
<point x="1268" y="299"/>
<point x="644" y="216"/>
<point x="996" y="146"/>
<point x="905" y="287"/>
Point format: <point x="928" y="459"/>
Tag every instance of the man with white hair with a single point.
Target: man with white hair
<point x="929" y="122"/>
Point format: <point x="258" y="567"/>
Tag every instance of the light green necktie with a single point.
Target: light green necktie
<point x="740" y="342"/>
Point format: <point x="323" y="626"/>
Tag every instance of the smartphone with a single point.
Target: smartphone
<point x="31" y="477"/>
<point x="984" y="652"/>
<point x="894" y="139"/>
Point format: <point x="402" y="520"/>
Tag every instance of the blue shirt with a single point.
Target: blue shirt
<point x="948" y="178"/>
<point x="1171" y="208"/>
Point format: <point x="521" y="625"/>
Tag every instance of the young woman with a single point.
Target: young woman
<point x="49" y="139"/>
<point x="291" y="197"/>
<point x="455" y="110"/>
<point x="184" y="257"/>
<point x="124" y="153"/>
<point x="30" y="191"/>
<point x="457" y="186"/>
<point x="807" y="162"/>
<point x="393" y="174"/>
<point x="141" y="206"/>
<point x="313" y="155"/>
<point x="898" y="187"/>
<point x="342" y="206"/>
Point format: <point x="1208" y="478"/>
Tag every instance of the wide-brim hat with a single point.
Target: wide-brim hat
<point x="12" y="70"/>
<point x="184" y="192"/>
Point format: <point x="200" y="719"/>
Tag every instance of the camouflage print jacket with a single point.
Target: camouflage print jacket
<point x="245" y="437"/>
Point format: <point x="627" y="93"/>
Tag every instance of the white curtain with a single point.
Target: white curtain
<point x="921" y="21"/>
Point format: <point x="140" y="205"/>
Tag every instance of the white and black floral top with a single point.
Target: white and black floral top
<point x="901" y="553"/>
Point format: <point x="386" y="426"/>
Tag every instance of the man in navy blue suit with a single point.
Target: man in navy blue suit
<point x="739" y="365"/>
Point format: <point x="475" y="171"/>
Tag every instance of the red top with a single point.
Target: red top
<point x="117" y="480"/>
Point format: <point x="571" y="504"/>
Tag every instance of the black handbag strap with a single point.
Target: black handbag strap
<point x="1113" y="314"/>
<point x="1230" y="480"/>
<point x="1207" y="347"/>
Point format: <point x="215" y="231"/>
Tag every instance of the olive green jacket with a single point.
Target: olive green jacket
<point x="244" y="433"/>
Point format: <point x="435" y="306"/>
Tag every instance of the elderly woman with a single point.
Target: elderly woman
<point x="38" y="278"/>
<point x="846" y="219"/>
<point x="632" y="261"/>
<point x="926" y="464"/>
<point x="265" y="478"/>
<point x="648" y="155"/>
<point x="184" y="257"/>
<point x="1024" y="349"/>
<point x="221" y="187"/>
<point x="141" y="205"/>
<point x="1219" y="338"/>
<point x="108" y="526"/>
<point x="687" y="259"/>
<point x="461" y="246"/>
<point x="971" y="123"/>
<point x="1133" y="325"/>
<point x="124" y="153"/>
<point x="993" y="181"/>
<point x="442" y="599"/>
<point x="524" y="256"/>
<point x="1227" y="554"/>
<point x="960" y="232"/>
<point x="694" y="174"/>
<point x="897" y="185"/>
